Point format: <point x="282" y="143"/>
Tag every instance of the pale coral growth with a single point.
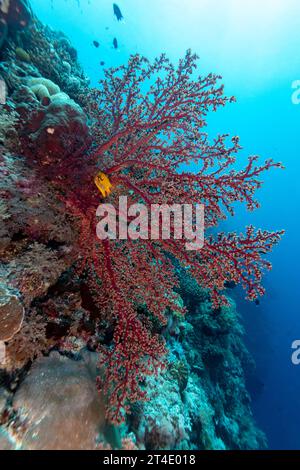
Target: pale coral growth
<point x="148" y="122"/>
<point x="163" y="422"/>
<point x="128" y="444"/>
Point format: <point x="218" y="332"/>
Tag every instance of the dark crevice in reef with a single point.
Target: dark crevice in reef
<point x="200" y="400"/>
<point x="54" y="245"/>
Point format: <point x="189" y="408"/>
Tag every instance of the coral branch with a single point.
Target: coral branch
<point x="145" y="141"/>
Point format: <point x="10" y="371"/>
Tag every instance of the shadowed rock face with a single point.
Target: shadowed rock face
<point x="5" y="443"/>
<point x="61" y="405"/>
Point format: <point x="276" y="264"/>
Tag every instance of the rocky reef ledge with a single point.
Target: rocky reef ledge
<point x="48" y="397"/>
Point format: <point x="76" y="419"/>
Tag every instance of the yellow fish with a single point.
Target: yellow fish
<point x="103" y="184"/>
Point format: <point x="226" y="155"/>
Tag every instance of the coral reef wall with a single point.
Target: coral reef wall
<point x="47" y="317"/>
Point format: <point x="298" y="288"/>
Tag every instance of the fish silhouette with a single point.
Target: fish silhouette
<point x="117" y="12"/>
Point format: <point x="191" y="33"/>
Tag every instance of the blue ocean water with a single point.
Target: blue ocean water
<point x="254" y="45"/>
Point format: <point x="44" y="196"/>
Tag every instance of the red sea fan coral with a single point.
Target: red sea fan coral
<point x="148" y="122"/>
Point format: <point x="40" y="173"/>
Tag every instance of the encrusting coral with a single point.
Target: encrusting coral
<point x="15" y="15"/>
<point x="53" y="422"/>
<point x="181" y="377"/>
<point x="11" y="314"/>
<point x="42" y="87"/>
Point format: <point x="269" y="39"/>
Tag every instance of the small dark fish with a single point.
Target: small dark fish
<point x="230" y="284"/>
<point x="96" y="44"/>
<point x="102" y="63"/>
<point x="117" y="12"/>
<point x="115" y="43"/>
<point x="257" y="302"/>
